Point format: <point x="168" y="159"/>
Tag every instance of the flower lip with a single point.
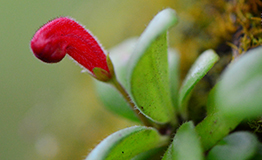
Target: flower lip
<point x="63" y="36"/>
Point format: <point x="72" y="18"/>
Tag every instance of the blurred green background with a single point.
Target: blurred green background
<point x="51" y="111"/>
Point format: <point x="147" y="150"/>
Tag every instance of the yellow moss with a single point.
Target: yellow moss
<point x="249" y="24"/>
<point x="207" y="24"/>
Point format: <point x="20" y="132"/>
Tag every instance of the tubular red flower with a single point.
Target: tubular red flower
<point x="63" y="35"/>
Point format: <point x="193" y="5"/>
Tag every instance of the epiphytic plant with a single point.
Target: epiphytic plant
<point x="146" y="89"/>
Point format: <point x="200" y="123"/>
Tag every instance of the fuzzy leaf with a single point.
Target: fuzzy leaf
<point x="127" y="143"/>
<point x="239" y="93"/>
<point x="237" y="146"/>
<point x="148" y="77"/>
<point x="199" y="69"/>
<point x="185" y="145"/>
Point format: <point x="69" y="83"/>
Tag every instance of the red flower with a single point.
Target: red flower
<point x="63" y="35"/>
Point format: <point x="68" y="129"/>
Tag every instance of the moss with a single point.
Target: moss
<point x="208" y="24"/>
<point x="231" y="27"/>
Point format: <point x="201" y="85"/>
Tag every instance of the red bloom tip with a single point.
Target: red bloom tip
<point x="63" y="35"/>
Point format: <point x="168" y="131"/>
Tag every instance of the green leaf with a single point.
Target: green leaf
<point x="215" y="127"/>
<point x="199" y="69"/>
<point x="148" y="77"/>
<point x="173" y="65"/>
<point x="185" y="145"/>
<point x="110" y="97"/>
<point x="236" y="146"/>
<point x="120" y="54"/>
<point x="211" y="106"/>
<point x="239" y="93"/>
<point x="127" y="143"/>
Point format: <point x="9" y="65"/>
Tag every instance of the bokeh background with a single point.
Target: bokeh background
<point x="51" y="111"/>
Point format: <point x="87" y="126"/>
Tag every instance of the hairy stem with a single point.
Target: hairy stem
<point x="124" y="93"/>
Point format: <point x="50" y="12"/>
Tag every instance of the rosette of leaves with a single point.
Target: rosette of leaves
<point x="149" y="71"/>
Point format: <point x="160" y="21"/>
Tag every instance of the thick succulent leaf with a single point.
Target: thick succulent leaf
<point x="127" y="143"/>
<point x="119" y="56"/>
<point x="148" y="77"/>
<point x="199" y="69"/>
<point x="173" y="63"/>
<point x="211" y="106"/>
<point x="237" y="146"/>
<point x="239" y="93"/>
<point x="215" y="127"/>
<point x="110" y="97"/>
<point x="185" y="145"/>
<point x="234" y="98"/>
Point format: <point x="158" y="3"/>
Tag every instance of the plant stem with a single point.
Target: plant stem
<point x="124" y="93"/>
